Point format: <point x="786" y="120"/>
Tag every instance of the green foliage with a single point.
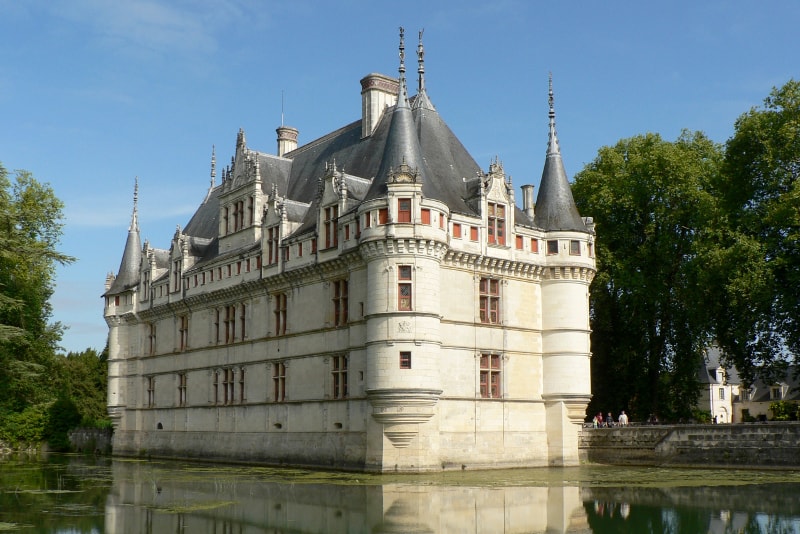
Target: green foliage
<point x="83" y="377"/>
<point x="758" y="298"/>
<point x="63" y="416"/>
<point x="701" y="416"/>
<point x="784" y="410"/>
<point x="652" y="205"/>
<point x="25" y="427"/>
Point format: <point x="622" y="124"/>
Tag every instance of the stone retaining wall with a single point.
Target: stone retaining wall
<point x="732" y="445"/>
<point x="92" y="440"/>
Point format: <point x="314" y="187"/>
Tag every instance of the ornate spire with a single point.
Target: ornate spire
<point x="213" y="165"/>
<point x="555" y="206"/>
<point x="402" y="68"/>
<point x="552" y="144"/>
<point x="421" y="62"/>
<point x="134" y="227"/>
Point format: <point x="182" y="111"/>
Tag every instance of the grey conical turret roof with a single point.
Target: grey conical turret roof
<point x="128" y="275"/>
<point x="402" y="142"/>
<point x="555" y="206"/>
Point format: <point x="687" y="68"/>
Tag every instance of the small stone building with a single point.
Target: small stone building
<point x="371" y="300"/>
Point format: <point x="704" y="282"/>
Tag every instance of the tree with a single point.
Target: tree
<point x="758" y="309"/>
<point x="30" y="228"/>
<point x="83" y="378"/>
<point x="652" y="204"/>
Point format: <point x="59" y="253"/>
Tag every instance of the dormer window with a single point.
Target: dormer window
<point x="272" y="245"/>
<point x="331" y="235"/>
<point x="497" y="224"/>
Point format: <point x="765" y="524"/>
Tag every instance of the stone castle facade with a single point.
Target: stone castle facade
<point x="371" y="300"/>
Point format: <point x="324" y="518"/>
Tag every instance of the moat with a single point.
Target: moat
<point x="71" y="493"/>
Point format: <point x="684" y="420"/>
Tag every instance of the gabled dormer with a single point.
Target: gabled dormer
<point x="240" y="203"/>
<point x="497" y="205"/>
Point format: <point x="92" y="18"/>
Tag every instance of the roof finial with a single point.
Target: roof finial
<point x="402" y="68"/>
<point x="134" y="215"/>
<point x="552" y="145"/>
<point x="421" y="61"/>
<point x="213" y="165"/>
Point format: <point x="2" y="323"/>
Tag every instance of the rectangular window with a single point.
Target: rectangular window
<point x="230" y="324"/>
<point x="151" y="337"/>
<point x="383" y="215"/>
<point x="227" y="386"/>
<point x="242" y="320"/>
<point x="346" y="232"/>
<point x="151" y="391"/>
<point x="490" y="300"/>
<point x="367" y="220"/>
<point x="229" y="270"/>
<point x="339" y="372"/>
<point x="272" y="245"/>
<point x="280" y="314"/>
<point x="496" y="229"/>
<point x="176" y="275"/>
<point x="182" y="389"/>
<point x="457" y="230"/>
<point x="425" y="215"/>
<point x="242" y="398"/>
<point x="313" y="245"/>
<point x="217" y="330"/>
<point x="721" y="393"/>
<point x="225" y="214"/>
<point x="473" y="233"/>
<point x="405" y="360"/>
<point x="183" y="331"/>
<point x="404" y="288"/>
<point x="590" y="249"/>
<point x="331" y="234"/>
<point x="404" y="210"/>
<point x="441" y="220"/>
<point x="279" y="382"/>
<point x="552" y="247"/>
<point x="215" y="387"/>
<point x="574" y="247"/>
<point x="775" y="394"/>
<point x="250" y="201"/>
<point x="490" y="376"/>
<point x="534" y="245"/>
<point x="519" y="242"/>
<point x="340" y="302"/>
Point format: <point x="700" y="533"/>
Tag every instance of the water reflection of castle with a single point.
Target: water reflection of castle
<point x="146" y="499"/>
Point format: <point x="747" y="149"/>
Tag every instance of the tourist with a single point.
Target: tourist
<point x="623" y="419"/>
<point x="609" y="420"/>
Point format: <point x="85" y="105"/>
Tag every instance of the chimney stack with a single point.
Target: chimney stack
<point x="527" y="200"/>
<point x="287" y="139"/>
<point x="378" y="92"/>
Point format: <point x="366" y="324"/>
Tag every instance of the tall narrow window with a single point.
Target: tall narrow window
<point x="404" y="288"/>
<point x="176" y="275"/>
<point x="280" y="314"/>
<point x="227" y="386"/>
<point x="217" y="330"/>
<point x="490" y="376"/>
<point x="215" y="386"/>
<point x="225" y="214"/>
<point x="151" y="391"/>
<point x="490" y="300"/>
<point x="279" y="381"/>
<point x="405" y="360"/>
<point x="519" y="242"/>
<point x="242" y="320"/>
<point x="340" y="294"/>
<point x="241" y="386"/>
<point x="457" y="230"/>
<point x="313" y="245"/>
<point x="151" y="337"/>
<point x="534" y="245"/>
<point x="250" y="202"/>
<point x="473" y="233"/>
<point x="331" y="235"/>
<point x="383" y="215"/>
<point x="339" y="372"/>
<point x="182" y="389"/>
<point x="183" y="331"/>
<point x="574" y="247"/>
<point x="496" y="230"/>
<point x="404" y="210"/>
<point x="272" y="245"/>
<point x="230" y="324"/>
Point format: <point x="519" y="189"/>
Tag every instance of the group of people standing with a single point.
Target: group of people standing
<point x="599" y="421"/>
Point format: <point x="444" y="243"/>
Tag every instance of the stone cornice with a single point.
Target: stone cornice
<point x="391" y="246"/>
<point x="582" y="273"/>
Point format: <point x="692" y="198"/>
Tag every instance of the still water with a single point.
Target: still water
<point x="71" y="494"/>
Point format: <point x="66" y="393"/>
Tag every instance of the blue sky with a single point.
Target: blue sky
<point x="96" y="92"/>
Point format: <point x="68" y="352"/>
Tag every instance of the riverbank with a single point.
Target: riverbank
<point x="742" y="445"/>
